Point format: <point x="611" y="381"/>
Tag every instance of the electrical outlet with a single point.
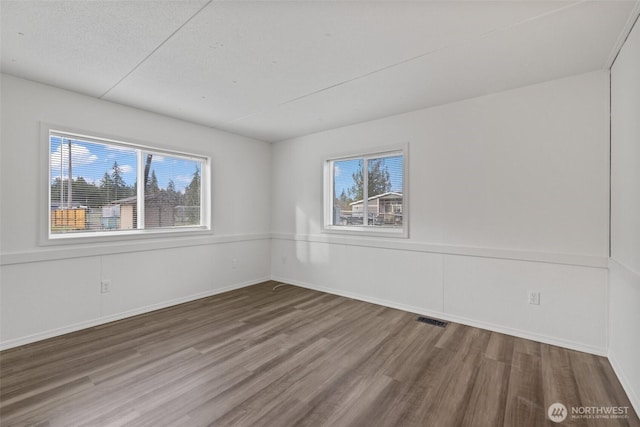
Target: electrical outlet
<point x="533" y="297"/>
<point x="284" y="259"/>
<point x="105" y="286"/>
<point x="234" y="263"/>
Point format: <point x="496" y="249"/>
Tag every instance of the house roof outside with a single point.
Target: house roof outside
<point x="55" y="204"/>
<point x="126" y="201"/>
<point x="387" y="195"/>
<point x="132" y="200"/>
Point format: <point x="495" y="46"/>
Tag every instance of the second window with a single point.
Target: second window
<point x="367" y="192"/>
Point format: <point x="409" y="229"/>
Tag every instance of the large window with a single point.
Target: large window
<point x="367" y="193"/>
<point x="104" y="187"/>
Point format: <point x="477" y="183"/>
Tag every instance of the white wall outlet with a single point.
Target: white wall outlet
<point x="105" y="286"/>
<point x="533" y="297"/>
<point x="234" y="263"/>
<point x="284" y="259"/>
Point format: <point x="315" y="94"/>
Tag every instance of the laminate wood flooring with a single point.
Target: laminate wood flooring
<point x="297" y="357"/>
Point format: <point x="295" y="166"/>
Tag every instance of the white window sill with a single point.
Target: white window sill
<point x="369" y="231"/>
<point x="126" y="235"/>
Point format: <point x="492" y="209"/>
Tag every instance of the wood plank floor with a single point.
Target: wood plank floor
<point x="293" y="356"/>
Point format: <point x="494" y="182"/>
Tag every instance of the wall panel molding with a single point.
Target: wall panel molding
<point x="623" y="345"/>
<point x="625" y="271"/>
<point x="395" y="244"/>
<point x="52" y="253"/>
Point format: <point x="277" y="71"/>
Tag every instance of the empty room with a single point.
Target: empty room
<point x="320" y="213"/>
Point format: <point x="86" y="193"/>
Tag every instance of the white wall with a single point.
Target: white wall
<point x="46" y="290"/>
<point x="508" y="193"/>
<point x="624" y="273"/>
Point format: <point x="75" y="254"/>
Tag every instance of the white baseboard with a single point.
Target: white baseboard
<point x="600" y="351"/>
<point x="626" y="384"/>
<point x="16" y="342"/>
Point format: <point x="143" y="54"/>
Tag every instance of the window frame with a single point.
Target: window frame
<point x="366" y="230"/>
<point x="47" y="238"/>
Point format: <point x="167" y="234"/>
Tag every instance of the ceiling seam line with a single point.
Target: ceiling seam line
<point x="413" y="58"/>
<point x="155" y="49"/>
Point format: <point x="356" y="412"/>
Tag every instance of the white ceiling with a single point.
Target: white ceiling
<point x="274" y="70"/>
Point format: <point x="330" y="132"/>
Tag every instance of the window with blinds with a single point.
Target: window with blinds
<point x="105" y="187"/>
<point x="367" y="193"/>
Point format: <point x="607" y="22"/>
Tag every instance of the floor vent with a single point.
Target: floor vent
<point x="430" y="321"/>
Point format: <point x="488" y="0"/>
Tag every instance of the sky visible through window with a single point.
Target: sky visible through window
<point x="91" y="160"/>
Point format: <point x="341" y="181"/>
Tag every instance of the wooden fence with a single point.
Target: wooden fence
<point x="69" y="219"/>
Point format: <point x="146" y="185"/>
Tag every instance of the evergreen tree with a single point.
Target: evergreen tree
<point x="344" y="201"/>
<point x="152" y="185"/>
<point x="106" y="185"/>
<point x="172" y="195"/>
<point x="55" y="190"/>
<point x="86" y="194"/>
<point x="192" y="192"/>
<point x="192" y="197"/>
<point x="117" y="181"/>
<point x="378" y="180"/>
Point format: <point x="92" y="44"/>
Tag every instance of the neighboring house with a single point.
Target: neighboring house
<point x="157" y="213"/>
<point x="387" y="205"/>
<point x="124" y="210"/>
